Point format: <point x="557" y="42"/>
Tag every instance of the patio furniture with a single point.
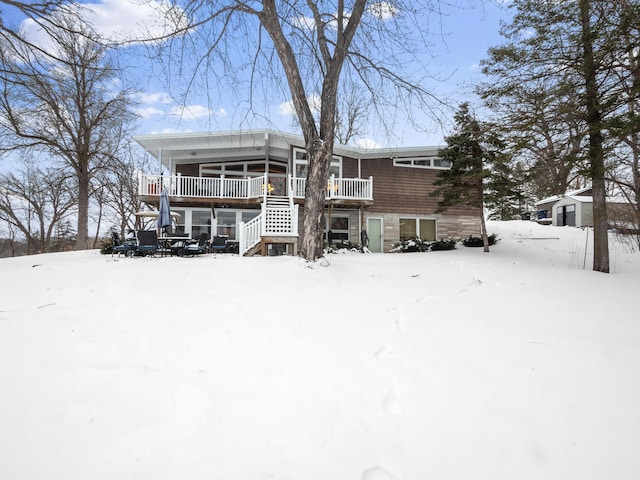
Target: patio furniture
<point x="173" y="243"/>
<point x="197" y="248"/>
<point x="218" y="244"/>
<point x="120" y="247"/>
<point x="147" y="242"/>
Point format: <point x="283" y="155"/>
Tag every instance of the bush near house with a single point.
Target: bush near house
<point x="417" y="245"/>
<point x="106" y="246"/>
<point x="472" y="241"/>
<point x="444" y="244"/>
<point x="341" y="245"/>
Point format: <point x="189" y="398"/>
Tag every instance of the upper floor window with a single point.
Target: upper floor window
<point x="243" y="169"/>
<point x="421" y="162"/>
<point x="300" y="164"/>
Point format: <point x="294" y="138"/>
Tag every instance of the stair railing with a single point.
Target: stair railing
<point x="250" y="233"/>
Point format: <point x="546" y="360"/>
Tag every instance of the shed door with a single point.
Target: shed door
<point x="567" y="215"/>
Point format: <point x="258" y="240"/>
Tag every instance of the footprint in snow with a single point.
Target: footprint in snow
<point x="392" y="404"/>
<point x="378" y="473"/>
<point x="384" y="351"/>
<point x="401" y="322"/>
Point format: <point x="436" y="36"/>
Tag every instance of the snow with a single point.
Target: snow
<point x="519" y="363"/>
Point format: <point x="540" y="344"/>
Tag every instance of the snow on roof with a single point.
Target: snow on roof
<point x="589" y="199"/>
<point x="555" y="198"/>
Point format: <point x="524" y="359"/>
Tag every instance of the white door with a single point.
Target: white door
<point x="374" y="230"/>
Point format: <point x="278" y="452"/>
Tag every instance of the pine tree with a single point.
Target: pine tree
<point x="467" y="151"/>
<point x="505" y="193"/>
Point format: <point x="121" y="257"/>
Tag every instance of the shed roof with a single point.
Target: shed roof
<point x="555" y="198"/>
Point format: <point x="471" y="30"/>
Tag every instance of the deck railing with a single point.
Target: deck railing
<point x="245" y="188"/>
<point x="203" y="187"/>
<point x="249" y="233"/>
<point x="339" y="188"/>
<point x="348" y="188"/>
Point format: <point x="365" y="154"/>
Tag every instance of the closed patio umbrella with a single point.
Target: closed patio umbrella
<point x="164" y="212"/>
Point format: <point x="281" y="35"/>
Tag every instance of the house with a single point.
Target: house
<point x="575" y="209"/>
<point x="249" y="186"/>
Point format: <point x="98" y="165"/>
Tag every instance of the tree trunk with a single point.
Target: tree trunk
<point x="311" y="247"/>
<point x="596" y="152"/>
<point x="83" y="210"/>
<point x="485" y="237"/>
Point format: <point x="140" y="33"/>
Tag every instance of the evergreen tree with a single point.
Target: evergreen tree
<point x="468" y="149"/>
<point x="505" y="193"/>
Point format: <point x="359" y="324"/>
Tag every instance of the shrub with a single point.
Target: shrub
<point x="473" y="241"/>
<point x="106" y="246"/>
<point x="344" y="245"/>
<point x="444" y="244"/>
<point x="411" y="245"/>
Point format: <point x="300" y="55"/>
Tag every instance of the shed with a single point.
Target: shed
<point x="545" y="206"/>
<point x="573" y="211"/>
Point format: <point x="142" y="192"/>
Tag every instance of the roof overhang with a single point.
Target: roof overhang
<point x="182" y="148"/>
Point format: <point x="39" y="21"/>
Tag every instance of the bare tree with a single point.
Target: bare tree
<point x="119" y="191"/>
<point x="64" y="104"/>
<point x="351" y="116"/>
<point x="35" y="201"/>
<point x="380" y="45"/>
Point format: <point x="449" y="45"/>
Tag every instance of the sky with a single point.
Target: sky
<point x="466" y="31"/>
<point x="514" y="364"/>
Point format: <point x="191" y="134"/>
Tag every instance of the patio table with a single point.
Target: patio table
<point x="167" y="241"/>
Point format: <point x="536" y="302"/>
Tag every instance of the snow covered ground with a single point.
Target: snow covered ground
<point x="517" y="364"/>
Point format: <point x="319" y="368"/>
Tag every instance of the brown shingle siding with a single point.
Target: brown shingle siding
<point x="405" y="189"/>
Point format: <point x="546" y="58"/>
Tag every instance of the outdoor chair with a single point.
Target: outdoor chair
<point x="218" y="244"/>
<point x="199" y="247"/>
<point x="120" y="247"/>
<point x="177" y="246"/>
<point x="147" y="242"/>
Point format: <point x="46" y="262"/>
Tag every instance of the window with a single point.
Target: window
<point x="421" y="162"/>
<point x="200" y="223"/>
<point x="300" y="165"/>
<point x="243" y="169"/>
<point x="422" y="228"/>
<point x="179" y="223"/>
<point x="228" y="221"/>
<point x="339" y="227"/>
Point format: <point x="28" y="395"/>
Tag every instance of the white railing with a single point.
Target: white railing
<point x="272" y="221"/>
<point x="339" y="188"/>
<point x="255" y="187"/>
<point x="249" y="234"/>
<point x="281" y="222"/>
<point x="298" y="186"/>
<point x="350" y="188"/>
<point x="204" y="187"/>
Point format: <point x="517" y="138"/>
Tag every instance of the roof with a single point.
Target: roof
<point x="555" y="198"/>
<point x="589" y="199"/>
<point x="247" y="144"/>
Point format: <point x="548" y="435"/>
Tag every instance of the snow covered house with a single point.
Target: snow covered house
<point x="249" y="187"/>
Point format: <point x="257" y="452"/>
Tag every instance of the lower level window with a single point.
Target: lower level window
<point x="422" y="228"/>
<point x="228" y="221"/>
<point x="338" y="228"/>
<point x="200" y="223"/>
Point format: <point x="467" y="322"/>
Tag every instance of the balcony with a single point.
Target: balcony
<point x="220" y="188"/>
